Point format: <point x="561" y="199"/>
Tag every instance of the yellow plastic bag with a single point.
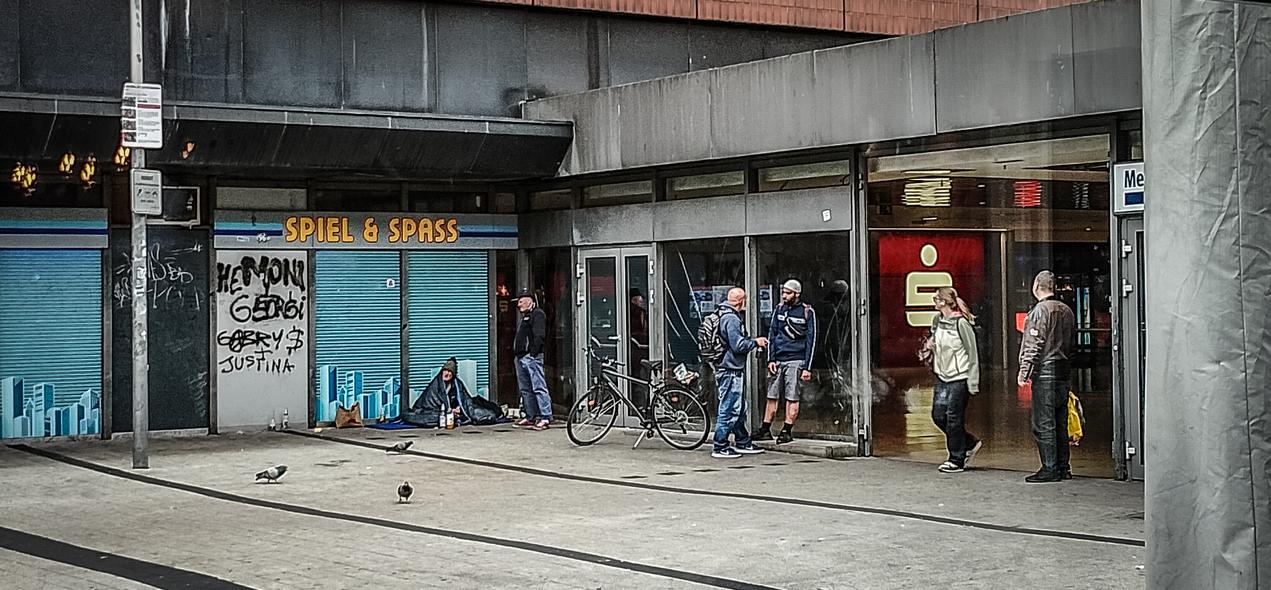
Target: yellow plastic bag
<point x="1076" y="420"/>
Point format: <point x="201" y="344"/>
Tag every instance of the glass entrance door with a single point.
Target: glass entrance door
<point x="615" y="308"/>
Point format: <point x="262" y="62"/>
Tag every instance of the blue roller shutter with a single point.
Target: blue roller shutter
<point x="357" y="332"/>
<point x="50" y="342"/>
<point x="449" y="312"/>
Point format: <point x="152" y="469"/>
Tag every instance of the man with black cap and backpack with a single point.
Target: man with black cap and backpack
<point x="527" y="347"/>
<point x="792" y="335"/>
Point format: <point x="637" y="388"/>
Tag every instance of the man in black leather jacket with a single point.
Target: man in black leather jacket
<point x="1044" y="358"/>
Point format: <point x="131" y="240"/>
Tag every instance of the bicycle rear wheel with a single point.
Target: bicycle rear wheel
<point x="593" y="415"/>
<point x="680" y="419"/>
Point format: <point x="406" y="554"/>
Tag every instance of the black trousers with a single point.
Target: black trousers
<point x="948" y="411"/>
<point x="1050" y="416"/>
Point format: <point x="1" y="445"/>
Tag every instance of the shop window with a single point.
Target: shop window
<point x="706" y="185"/>
<point x="697" y="276"/>
<point x="623" y="193"/>
<point x="804" y="176"/>
<point x="821" y="264"/>
<point x="1135" y="139"/>
<point x="357" y="200"/>
<point x="503" y="203"/>
<point x="447" y="202"/>
<point x="506" y="320"/>
<point x="552" y="200"/>
<point x="550" y="280"/>
<point x="985" y="220"/>
<point x="241" y="198"/>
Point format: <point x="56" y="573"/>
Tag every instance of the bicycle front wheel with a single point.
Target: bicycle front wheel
<point x="680" y="419"/>
<point x="593" y="415"/>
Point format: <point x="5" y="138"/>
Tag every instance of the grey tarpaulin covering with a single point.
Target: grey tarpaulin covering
<point x="1207" y="133"/>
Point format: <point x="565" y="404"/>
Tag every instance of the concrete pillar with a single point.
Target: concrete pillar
<point x="1207" y="136"/>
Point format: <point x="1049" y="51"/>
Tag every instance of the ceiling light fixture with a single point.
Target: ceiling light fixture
<point x="88" y="172"/>
<point x="928" y="192"/>
<point x="123" y="156"/>
<point x="24" y="177"/>
<point x="1028" y="193"/>
<point x="66" y="165"/>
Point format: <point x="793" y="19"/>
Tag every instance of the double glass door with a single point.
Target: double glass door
<point x="615" y="306"/>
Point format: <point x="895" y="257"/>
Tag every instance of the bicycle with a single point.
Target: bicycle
<point x="672" y="411"/>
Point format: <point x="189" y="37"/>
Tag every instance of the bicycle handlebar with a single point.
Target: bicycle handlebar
<point x="604" y="360"/>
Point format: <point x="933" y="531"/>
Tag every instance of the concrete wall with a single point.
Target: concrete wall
<point x="1067" y="62"/>
<point x="716" y="217"/>
<point x="394" y="55"/>
<point x="262" y="343"/>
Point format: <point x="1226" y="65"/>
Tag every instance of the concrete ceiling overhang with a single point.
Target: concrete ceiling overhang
<point x="239" y="140"/>
<point x="1057" y="65"/>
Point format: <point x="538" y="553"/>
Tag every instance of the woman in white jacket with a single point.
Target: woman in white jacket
<point x="956" y="363"/>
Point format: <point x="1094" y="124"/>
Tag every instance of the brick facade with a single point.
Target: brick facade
<point x="879" y="17"/>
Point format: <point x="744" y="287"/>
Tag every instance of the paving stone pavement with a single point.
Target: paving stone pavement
<point x="528" y="523"/>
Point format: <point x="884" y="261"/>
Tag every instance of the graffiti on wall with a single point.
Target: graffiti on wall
<point x="170" y="284"/>
<point x="263" y="297"/>
<point x="261" y="333"/>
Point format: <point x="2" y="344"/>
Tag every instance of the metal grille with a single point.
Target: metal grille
<point x="358" y="331"/>
<point x="50" y="342"/>
<point x="449" y="313"/>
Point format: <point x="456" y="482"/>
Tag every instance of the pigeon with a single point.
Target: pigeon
<point x="400" y="447"/>
<point x="404" y="491"/>
<point x="272" y="474"/>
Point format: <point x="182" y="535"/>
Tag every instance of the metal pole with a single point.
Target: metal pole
<point x="140" y="344"/>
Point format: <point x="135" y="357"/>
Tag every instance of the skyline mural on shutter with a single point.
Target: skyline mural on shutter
<point x="50" y="343"/>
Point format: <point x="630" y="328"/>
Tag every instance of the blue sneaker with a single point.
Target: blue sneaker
<point x="725" y="454"/>
<point x="749" y="449"/>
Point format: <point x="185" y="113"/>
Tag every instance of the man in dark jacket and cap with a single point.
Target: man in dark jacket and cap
<point x="527" y="348"/>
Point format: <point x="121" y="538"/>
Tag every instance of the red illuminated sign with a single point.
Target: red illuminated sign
<point x="911" y="267"/>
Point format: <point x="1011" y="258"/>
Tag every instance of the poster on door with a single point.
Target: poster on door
<point x="262" y="340"/>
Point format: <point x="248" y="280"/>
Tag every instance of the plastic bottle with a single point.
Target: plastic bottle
<point x="450" y="420"/>
<point x="441" y="421"/>
<point x="272" y="425"/>
<point x="286" y="419"/>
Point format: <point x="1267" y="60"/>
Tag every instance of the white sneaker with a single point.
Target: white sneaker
<point x="950" y="468"/>
<point x="970" y="454"/>
<point x="942" y="466"/>
<point x="726" y="454"/>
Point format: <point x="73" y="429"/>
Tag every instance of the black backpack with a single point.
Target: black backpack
<point x="710" y="343"/>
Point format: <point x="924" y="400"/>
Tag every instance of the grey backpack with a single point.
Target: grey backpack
<point x="710" y="343"/>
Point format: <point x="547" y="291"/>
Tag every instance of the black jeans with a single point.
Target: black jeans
<point x="948" y="411"/>
<point x="1050" y="416"/>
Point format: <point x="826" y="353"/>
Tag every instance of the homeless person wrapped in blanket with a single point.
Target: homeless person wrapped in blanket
<point x="447" y="393"/>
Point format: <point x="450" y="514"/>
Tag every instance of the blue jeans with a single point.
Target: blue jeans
<point x="535" y="401"/>
<point x="731" y="418"/>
